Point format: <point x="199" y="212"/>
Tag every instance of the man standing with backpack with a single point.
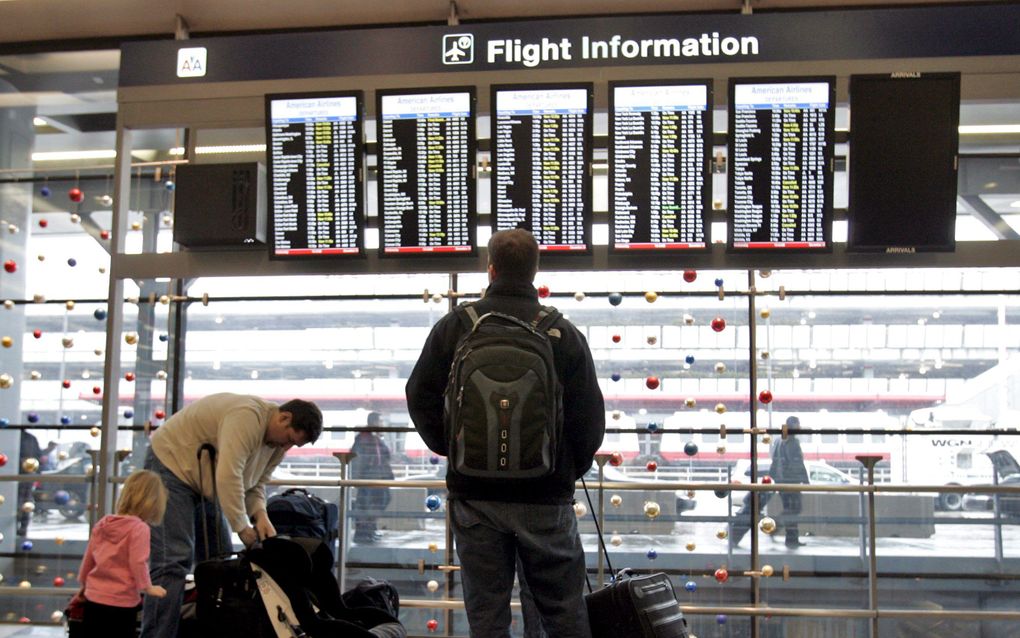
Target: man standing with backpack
<point x="507" y="390"/>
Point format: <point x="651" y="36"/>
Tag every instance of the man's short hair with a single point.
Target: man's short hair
<point x="514" y="253"/>
<point x="792" y="422"/>
<point x="374" y="419"/>
<point x="305" y="417"/>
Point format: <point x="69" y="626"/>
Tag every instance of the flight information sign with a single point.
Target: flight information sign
<point x="426" y="159"/>
<point x="658" y="165"/>
<point x="315" y="177"/>
<point x="541" y="156"/>
<point x="780" y="172"/>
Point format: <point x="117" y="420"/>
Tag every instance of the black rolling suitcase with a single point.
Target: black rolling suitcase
<point x="633" y="606"/>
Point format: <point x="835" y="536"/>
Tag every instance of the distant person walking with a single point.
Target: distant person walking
<point x="788" y="467"/>
<point x="372" y="461"/>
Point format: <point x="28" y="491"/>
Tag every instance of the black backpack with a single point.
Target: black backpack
<point x="297" y="513"/>
<point x="504" y="403"/>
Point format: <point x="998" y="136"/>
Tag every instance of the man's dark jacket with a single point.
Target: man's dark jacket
<point x="584" y="412"/>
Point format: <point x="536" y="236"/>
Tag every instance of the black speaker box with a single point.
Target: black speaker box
<point x="220" y="205"/>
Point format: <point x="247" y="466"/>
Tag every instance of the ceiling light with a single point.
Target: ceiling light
<point x="67" y="156"/>
<point x="216" y="150"/>
<point x="989" y="129"/>
<point x="38" y="121"/>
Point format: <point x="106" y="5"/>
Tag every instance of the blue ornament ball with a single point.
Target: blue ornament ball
<point x="433" y="502"/>
<point x="434" y="460"/>
<point x="721" y="493"/>
<point x="719" y="282"/>
<point x="691" y="586"/>
<point x="128" y="414"/>
<point x="45" y="191"/>
<point x="72" y="262"/>
<point x="4" y="422"/>
<point x="99" y="314"/>
<point x="26" y="546"/>
<point x="615" y="376"/>
<point x="652" y="554"/>
<point x="169" y="185"/>
<point x="164" y="337"/>
<point x="615" y="298"/>
<point x="721" y="619"/>
<point x="33" y="417"/>
<point x="690" y="448"/>
<point x="652" y="427"/>
<point x="61" y="497"/>
<point x="65" y="420"/>
<point x="689" y="359"/>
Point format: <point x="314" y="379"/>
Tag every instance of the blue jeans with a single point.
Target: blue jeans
<point x="491" y="536"/>
<point x="172" y="550"/>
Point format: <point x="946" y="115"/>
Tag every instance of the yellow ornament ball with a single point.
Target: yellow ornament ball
<point x="432" y="585"/>
<point x="720" y="408"/>
<point x="690" y="402"/>
<point x="131" y="338"/>
<point x="136" y="225"/>
<point x="765" y="313"/>
<point x="59" y="540"/>
<point x="722" y="534"/>
<point x="651" y="296"/>
<point x="62" y="455"/>
<point x="615" y="500"/>
<point x="69" y="304"/>
<point x="652" y="509"/>
<point x="767" y="525"/>
<point x="720" y="449"/>
<point x="767" y="438"/>
<point x="94" y="431"/>
<point x="433" y="548"/>
<point x="7" y="342"/>
<point x="6" y="380"/>
<point x="691" y="546"/>
<point x="30" y="465"/>
<point x="767" y="570"/>
<point x="2" y="499"/>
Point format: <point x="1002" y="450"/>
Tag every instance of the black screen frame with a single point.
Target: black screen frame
<point x="472" y="176"/>
<point x="587" y="212"/>
<point x="359" y="175"/>
<point x="858" y="89"/>
<point x="706" y="195"/>
<point x="829" y="155"/>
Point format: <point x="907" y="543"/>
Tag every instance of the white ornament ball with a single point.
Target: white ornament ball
<point x="28" y="507"/>
<point x="432" y="586"/>
<point x="579" y="296"/>
<point x="580" y="510"/>
<point x="615" y="500"/>
<point x="720" y="367"/>
<point x="767" y="570"/>
<point x="616" y="540"/>
<point x="57" y="616"/>
<point x="8" y="303"/>
<point x="161" y="375"/>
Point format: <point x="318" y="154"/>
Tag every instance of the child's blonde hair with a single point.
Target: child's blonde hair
<point x="144" y="496"/>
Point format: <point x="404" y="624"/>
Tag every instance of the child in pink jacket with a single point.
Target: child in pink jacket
<point x="115" y="570"/>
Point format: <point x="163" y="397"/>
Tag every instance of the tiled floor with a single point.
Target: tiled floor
<point x="21" y="631"/>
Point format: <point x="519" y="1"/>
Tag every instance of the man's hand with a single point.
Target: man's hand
<point x="263" y="525"/>
<point x="248" y="536"/>
<point x="155" y="591"/>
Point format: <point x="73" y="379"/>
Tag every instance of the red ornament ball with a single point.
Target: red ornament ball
<point x="10" y="265"/>
<point x="3" y="459"/>
<point x="66" y="383"/>
<point x="24" y="620"/>
<point x="767" y="480"/>
<point x="616" y="459"/>
<point x="58" y="581"/>
<point x="129" y="376"/>
<point x="96" y="390"/>
<point x="765" y="396"/>
<point x="652" y="466"/>
<point x="43" y="223"/>
<point x="37" y="333"/>
<point x="432" y="624"/>
<point x="543" y="291"/>
<point x="75" y="195"/>
<point x="104" y="234"/>
<point x="652" y="382"/>
<point x="617" y="338"/>
<point x="690" y="275"/>
<point x="722" y="575"/>
<point x="718" y="324"/>
<point x="159" y="414"/>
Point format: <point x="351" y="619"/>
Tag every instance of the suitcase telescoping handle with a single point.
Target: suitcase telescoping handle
<point x="598" y="529"/>
<point x="210" y="449"/>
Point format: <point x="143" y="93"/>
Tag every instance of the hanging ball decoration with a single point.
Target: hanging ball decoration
<point x="40" y="257"/>
<point x="579" y="509"/>
<point x="10" y="265"/>
<point x="720" y="619"/>
<point x="136" y="225"/>
<point x="691" y="546"/>
<point x="59" y="540"/>
<point x="129" y="376"/>
<point x="12" y="229"/>
<point x="652" y="340"/>
<point x="691" y="586"/>
<point x="616" y="459"/>
<point x="30" y="465"/>
<point x="651" y="296"/>
<point x="766" y="480"/>
<point x="718" y="282"/>
<point x="169" y="185"/>
<point x="57" y="615"/>
<point x="43" y="223"/>
<point x="106" y="200"/>
<point x="579" y="296"/>
<point x="131" y="338"/>
<point x="616" y="540"/>
<point x="652" y="427"/>
<point x="161" y="375"/>
<point x="720" y="408"/>
<point x="97" y="390"/>
<point x="45" y="191"/>
<point x="433" y="460"/>
<point x="129" y="414"/>
<point x="75" y="218"/>
<point x="615" y="298"/>
<point x="652" y="509"/>
<point x="62" y="454"/>
<point x="721" y="448"/>
<point x="66" y="383"/>
<point x="765" y="396"/>
<point x="75" y="195"/>
<point x="766" y="438"/>
<point x="722" y="575"/>
<point x="28" y="507"/>
<point x="616" y="338"/>
<point x="437" y="298"/>
<point x="718" y="324"/>
<point x="689" y="319"/>
<point x="652" y="554"/>
<point x="72" y="262"/>
<point x="164" y="337"/>
<point x="104" y="234"/>
<point x="616" y="500"/>
<point x="722" y="534"/>
<point x="8" y="304"/>
<point x="767" y="570"/>
<point x="68" y="342"/>
<point x="164" y="299"/>
<point x="7" y="342"/>
<point x="689" y="359"/>
<point x="433" y="502"/>
<point x="690" y="276"/>
<point x="3" y="459"/>
<point x="764" y="354"/>
<point x="691" y="493"/>
<point x="767" y="525"/>
<point x="99" y="314"/>
<point x="433" y="548"/>
<point x="652" y="383"/>
<point x="651" y="466"/>
<point x="6" y="381"/>
<point x="432" y="625"/>
<point x="33" y="417"/>
<point x="4" y="422"/>
<point x="37" y="333"/>
<point x="69" y="304"/>
<point x="65" y="420"/>
<point x="615" y="376"/>
<point x="616" y="415"/>
<point x="27" y="546"/>
<point x="432" y="586"/>
<point x="690" y="448"/>
<point x="690" y="402"/>
<point x="543" y="291"/>
<point x="61" y="497"/>
<point x="765" y="313"/>
<point x="94" y="431"/>
<point x="720" y="367"/>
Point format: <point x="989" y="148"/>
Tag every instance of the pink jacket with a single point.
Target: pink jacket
<point x="115" y="568"/>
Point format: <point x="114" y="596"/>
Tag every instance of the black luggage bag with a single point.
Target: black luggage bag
<point x="229" y="603"/>
<point x="298" y="514"/>
<point x="636" y="607"/>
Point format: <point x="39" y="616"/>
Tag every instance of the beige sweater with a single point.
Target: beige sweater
<point x="236" y="425"/>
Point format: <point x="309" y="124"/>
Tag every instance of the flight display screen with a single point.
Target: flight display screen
<point x="658" y="165"/>
<point x="426" y="159"/>
<point x="780" y="175"/>
<point x="541" y="156"/>
<point x="315" y="179"/>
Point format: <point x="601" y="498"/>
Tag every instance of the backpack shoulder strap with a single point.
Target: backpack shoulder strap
<point x="467" y="314"/>
<point x="543" y="323"/>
